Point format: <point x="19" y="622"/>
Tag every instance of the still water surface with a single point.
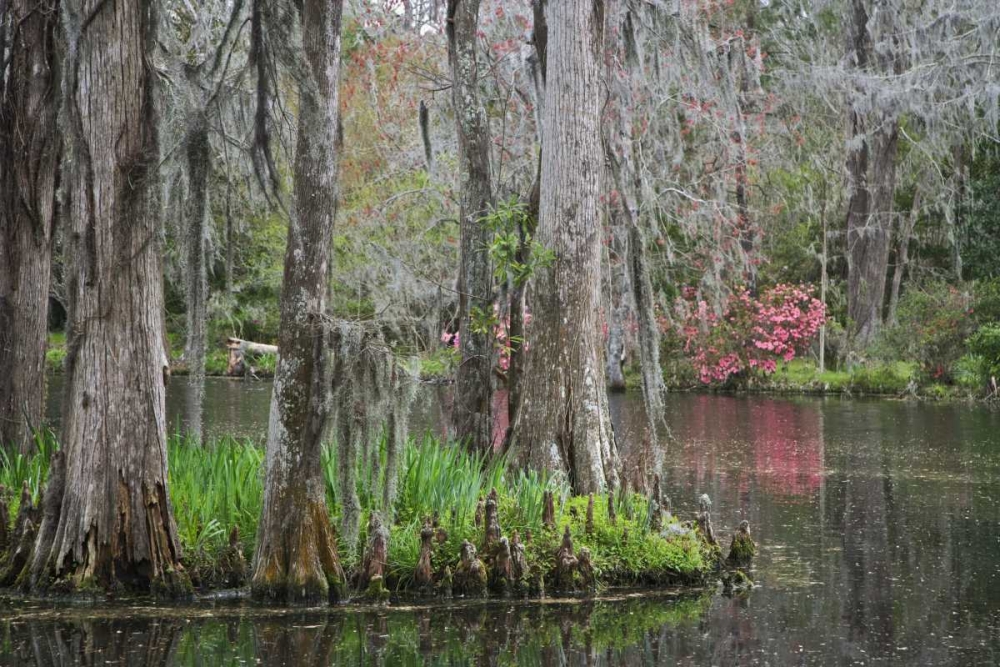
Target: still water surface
<point x="878" y="524"/>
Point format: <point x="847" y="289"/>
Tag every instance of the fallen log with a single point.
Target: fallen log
<point x="239" y="349"/>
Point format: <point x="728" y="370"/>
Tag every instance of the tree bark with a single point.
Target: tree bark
<point x="618" y="300"/>
<point x="623" y="146"/>
<point x="871" y="171"/>
<point x="114" y="524"/>
<point x="518" y="295"/>
<point x="296" y="558"/>
<point x="29" y="165"/>
<point x="196" y="270"/>
<point x="474" y="382"/>
<point x="903" y="252"/>
<point x="563" y="423"/>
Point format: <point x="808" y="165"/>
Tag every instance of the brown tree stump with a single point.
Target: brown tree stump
<point x="470" y="576"/>
<point x="742" y="549"/>
<point x="371" y="576"/>
<point x="548" y="510"/>
<point x="492" y="523"/>
<point x="423" y="576"/>
<point x="566" y="563"/>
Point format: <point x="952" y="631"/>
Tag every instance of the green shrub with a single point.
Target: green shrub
<point x="984" y="345"/>
<point x="987" y="303"/>
<point x="932" y="325"/>
<point x="891" y="378"/>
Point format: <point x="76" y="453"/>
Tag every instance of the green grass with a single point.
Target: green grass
<point x="220" y="485"/>
<point x="889" y="378"/>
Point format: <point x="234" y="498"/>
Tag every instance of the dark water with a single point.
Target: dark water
<point x="878" y="524"/>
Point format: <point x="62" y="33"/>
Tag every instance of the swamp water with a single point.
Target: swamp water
<point x="878" y="525"/>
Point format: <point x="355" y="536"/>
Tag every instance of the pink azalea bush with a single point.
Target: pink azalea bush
<point x="500" y="334"/>
<point x="753" y="334"/>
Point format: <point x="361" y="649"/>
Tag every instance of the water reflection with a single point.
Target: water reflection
<point x="878" y="524"/>
<point x="623" y="632"/>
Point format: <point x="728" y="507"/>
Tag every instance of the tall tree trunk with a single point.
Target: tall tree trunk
<point x="196" y="276"/>
<point x="474" y="390"/>
<point x="618" y="299"/>
<point x="563" y="423"/>
<point x="111" y="524"/>
<point x="29" y="159"/>
<point x="903" y="252"/>
<point x="518" y="296"/>
<point x="623" y="150"/>
<point x="296" y="559"/>
<point x="871" y="170"/>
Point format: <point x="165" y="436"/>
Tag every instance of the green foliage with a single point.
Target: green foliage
<point x="932" y="325"/>
<point x="510" y="223"/>
<point x="882" y="378"/>
<point x="439" y="363"/>
<point x="219" y="485"/>
<point x="981" y="213"/>
<point x="16" y="469"/>
<point x="55" y="352"/>
<point x="984" y="349"/>
<point x="987" y="301"/>
<point x="214" y="488"/>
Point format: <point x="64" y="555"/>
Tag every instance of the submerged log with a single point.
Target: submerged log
<point x="492" y="522"/>
<point x="423" y="576"/>
<point x="742" y="549"/>
<point x="470" y="576"/>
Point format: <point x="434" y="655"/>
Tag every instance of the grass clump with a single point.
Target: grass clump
<point x="218" y="487"/>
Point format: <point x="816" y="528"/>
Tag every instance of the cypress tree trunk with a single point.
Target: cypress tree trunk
<point x="196" y="270"/>
<point x="474" y="390"/>
<point x="618" y="300"/>
<point x="871" y="172"/>
<point x="111" y="525"/>
<point x="29" y="158"/>
<point x="296" y="558"/>
<point x="563" y="423"/>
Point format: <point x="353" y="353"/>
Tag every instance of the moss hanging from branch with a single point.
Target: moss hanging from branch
<point x="372" y="393"/>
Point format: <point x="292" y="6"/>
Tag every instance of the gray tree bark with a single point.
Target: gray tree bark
<point x="903" y="252"/>
<point x="623" y="145"/>
<point x="111" y="524"/>
<point x="29" y="158"/>
<point x="198" y="154"/>
<point x="871" y="173"/>
<point x="618" y="299"/>
<point x="296" y="558"/>
<point x="563" y="423"/>
<point x="474" y="383"/>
